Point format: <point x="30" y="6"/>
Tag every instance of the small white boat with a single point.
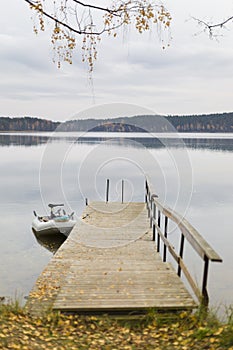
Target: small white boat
<point x="55" y="222"/>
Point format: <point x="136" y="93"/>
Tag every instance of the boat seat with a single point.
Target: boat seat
<point x="61" y="218"/>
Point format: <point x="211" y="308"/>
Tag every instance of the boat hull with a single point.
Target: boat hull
<point x="52" y="226"/>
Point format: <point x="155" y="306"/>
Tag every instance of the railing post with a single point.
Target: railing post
<point x="205" y="296"/>
<point x="148" y="203"/>
<point x="107" y="191"/>
<point x="151" y="211"/>
<point x="154" y="220"/>
<point x="165" y="235"/>
<point x="181" y="253"/>
<point x="146" y="194"/>
<point x="156" y="211"/>
<point x="158" y="235"/>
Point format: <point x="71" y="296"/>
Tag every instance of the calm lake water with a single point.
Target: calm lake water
<point x="193" y="175"/>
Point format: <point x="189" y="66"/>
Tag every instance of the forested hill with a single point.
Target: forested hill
<point x="203" y="123"/>
<point x="151" y="123"/>
<point x="27" y="124"/>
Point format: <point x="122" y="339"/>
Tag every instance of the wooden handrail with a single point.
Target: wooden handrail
<point x="197" y="242"/>
<point x="200" y="245"/>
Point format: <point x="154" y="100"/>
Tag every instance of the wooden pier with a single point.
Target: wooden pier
<point x="110" y="263"/>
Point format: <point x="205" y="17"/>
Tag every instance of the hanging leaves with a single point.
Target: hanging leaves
<point x="70" y="19"/>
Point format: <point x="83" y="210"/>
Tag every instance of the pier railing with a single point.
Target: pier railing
<point x="159" y="216"/>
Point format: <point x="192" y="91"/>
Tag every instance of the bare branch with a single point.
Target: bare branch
<point x="62" y="23"/>
<point x="104" y="9"/>
<point x="210" y="27"/>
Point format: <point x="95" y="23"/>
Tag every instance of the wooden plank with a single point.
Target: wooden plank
<point x="109" y="262"/>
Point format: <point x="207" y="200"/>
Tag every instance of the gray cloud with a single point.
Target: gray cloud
<point x="194" y="75"/>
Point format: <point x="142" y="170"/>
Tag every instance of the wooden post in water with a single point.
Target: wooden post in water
<point x="122" y="191"/>
<point x="107" y="191"/>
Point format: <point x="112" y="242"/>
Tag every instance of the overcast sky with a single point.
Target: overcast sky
<point x="194" y="75"/>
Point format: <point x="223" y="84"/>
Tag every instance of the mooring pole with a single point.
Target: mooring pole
<point x="122" y="191"/>
<point x="107" y="191"/>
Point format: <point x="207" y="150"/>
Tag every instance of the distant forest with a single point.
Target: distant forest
<point x="150" y="123"/>
<point x="27" y="124"/>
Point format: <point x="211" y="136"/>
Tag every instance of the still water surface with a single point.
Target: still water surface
<point x="193" y="175"/>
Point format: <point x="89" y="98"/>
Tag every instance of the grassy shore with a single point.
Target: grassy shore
<point x="153" y="331"/>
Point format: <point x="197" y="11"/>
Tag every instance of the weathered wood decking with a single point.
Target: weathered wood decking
<point x="109" y="263"/>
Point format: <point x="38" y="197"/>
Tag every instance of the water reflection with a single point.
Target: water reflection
<point x="149" y="141"/>
<point x="51" y="242"/>
<point x="22" y="140"/>
<point x="210" y="144"/>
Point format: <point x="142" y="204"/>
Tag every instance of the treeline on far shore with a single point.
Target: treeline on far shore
<point x="151" y="123"/>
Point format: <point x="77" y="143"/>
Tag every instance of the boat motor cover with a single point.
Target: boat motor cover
<point x="55" y="205"/>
